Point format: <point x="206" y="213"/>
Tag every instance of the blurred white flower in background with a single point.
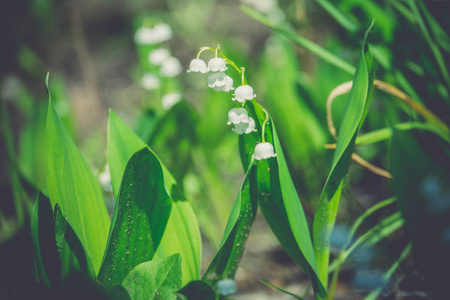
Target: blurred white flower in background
<point x="169" y="100"/>
<point x="263" y="6"/>
<point x="171" y="67"/>
<point x="158" y="56"/>
<point x="269" y="8"/>
<point x="153" y="35"/>
<point x="150" y="81"/>
<point x="104" y="179"/>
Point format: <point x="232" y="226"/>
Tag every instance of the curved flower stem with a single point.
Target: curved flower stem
<point x="204" y="49"/>
<point x="217" y="51"/>
<point x="361" y="161"/>
<point x="233" y="64"/>
<point x="263" y="131"/>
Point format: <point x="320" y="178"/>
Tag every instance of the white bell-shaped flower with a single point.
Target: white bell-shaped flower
<point x="227" y="87"/>
<point x="217" y="79"/>
<point x="197" y="65"/>
<point x="237" y="115"/>
<point x="247" y="127"/>
<point x="158" y="56"/>
<point x="150" y="81"/>
<point x="264" y="151"/>
<point x="217" y="64"/>
<point x="242" y="93"/>
<point x="171" y="67"/>
<point x="169" y="100"/>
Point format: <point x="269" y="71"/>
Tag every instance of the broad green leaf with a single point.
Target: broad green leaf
<point x="182" y="234"/>
<point x="157" y="279"/>
<point x="72" y="253"/>
<point x="226" y="260"/>
<point x="139" y="220"/>
<point x="118" y="292"/>
<point x="72" y="185"/>
<point x="32" y="145"/>
<point x="420" y="167"/>
<point x="196" y="290"/>
<point x="354" y="114"/>
<point x="277" y="196"/>
<point x="44" y="243"/>
<point x="307" y="44"/>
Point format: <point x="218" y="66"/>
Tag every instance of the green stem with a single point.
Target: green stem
<point x="263" y="137"/>
<point x="233" y="64"/>
<point x="204" y="49"/>
<point x="217" y="51"/>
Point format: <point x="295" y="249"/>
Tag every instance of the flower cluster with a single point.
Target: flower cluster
<point x="221" y="82"/>
<point x="161" y="67"/>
